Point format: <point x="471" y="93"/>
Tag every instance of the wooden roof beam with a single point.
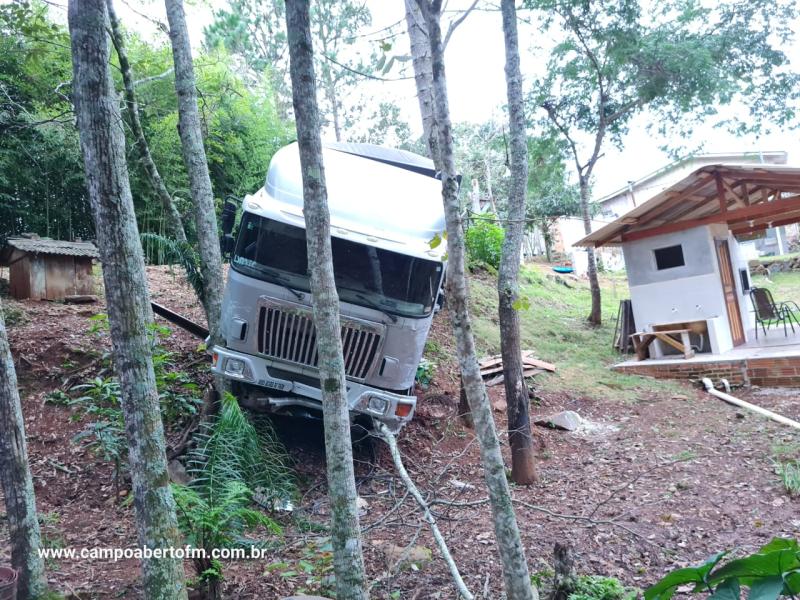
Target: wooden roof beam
<point x="732" y="216"/>
<point x="766" y="225"/>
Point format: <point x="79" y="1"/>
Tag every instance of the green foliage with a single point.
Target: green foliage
<point x="425" y="372"/>
<point x="484" y="241"/>
<point x="233" y="449"/>
<point x="42" y="186"/>
<point x="178" y="394"/>
<point x="676" y="58"/>
<point x="41" y="171"/>
<point x="596" y="587"/>
<point x="14" y="315"/>
<point x="105" y="436"/>
<point x="789" y="472"/>
<point x="221" y="523"/>
<point x="769" y="573"/>
<point x="182" y="253"/>
<point x="255" y="31"/>
<point x="550" y="195"/>
<point x="233" y="465"/>
<point x="313" y="572"/>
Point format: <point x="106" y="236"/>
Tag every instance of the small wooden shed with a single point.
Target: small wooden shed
<point x="45" y="269"/>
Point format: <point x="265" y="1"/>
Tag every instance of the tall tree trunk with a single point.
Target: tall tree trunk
<point x="512" y="555"/>
<point x="348" y="561"/>
<point x="175" y="224"/>
<point x="194" y="157"/>
<point x="523" y="465"/>
<point x="423" y="77"/>
<point x="103" y="147"/>
<point x="595" y="317"/>
<point x="16" y="481"/>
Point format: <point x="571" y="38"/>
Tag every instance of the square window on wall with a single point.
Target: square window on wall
<point x="669" y="257"/>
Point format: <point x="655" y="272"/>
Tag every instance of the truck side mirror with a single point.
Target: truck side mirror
<point x="228" y="217"/>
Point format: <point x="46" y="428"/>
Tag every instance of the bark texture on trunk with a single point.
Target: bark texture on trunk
<point x="103" y="148"/>
<point x="423" y="77"/>
<point x="523" y="466"/>
<point x="595" y="316"/>
<point x="565" y="578"/>
<point x="174" y="221"/>
<point x="16" y="482"/>
<point x="512" y="555"/>
<point x="348" y="561"/>
<point x="194" y="157"/>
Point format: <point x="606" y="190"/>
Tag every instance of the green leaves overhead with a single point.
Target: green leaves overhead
<point x="42" y="186"/>
<point x="679" y="58"/>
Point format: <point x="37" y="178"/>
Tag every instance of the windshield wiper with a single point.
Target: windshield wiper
<point x="279" y="280"/>
<point x="297" y="294"/>
<point x="371" y="304"/>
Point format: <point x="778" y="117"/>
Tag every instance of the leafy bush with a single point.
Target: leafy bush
<point x="106" y="436"/>
<point x="313" y="573"/>
<point x="219" y="523"/>
<point x="484" y="241"/>
<point x="771" y="572"/>
<point x="425" y="372"/>
<point x="596" y="587"/>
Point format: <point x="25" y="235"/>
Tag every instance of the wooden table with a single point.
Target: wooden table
<point x="643" y="339"/>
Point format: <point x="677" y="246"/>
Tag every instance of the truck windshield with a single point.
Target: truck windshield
<point x="365" y="275"/>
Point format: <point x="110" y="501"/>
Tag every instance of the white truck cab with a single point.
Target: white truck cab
<point x="385" y="207"/>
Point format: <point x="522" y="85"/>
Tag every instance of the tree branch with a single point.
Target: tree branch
<point x="390" y="440"/>
<point x="163" y="75"/>
<point x="455" y="23"/>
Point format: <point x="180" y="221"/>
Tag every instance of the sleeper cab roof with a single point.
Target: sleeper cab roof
<point x="375" y="200"/>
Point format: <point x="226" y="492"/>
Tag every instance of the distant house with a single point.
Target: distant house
<point x="45" y="269"/>
<point x="685" y="266"/>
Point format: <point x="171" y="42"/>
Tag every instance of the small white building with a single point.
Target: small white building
<point x="569" y="230"/>
<point x="684" y="264"/>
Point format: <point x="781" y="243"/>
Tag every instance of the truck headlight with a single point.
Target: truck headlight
<point x="235" y="367"/>
<point x="377" y="404"/>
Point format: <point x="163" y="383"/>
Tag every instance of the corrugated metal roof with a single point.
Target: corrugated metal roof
<point x="54" y="247"/>
<point x="746" y="197"/>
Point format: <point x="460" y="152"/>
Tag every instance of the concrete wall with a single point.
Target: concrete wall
<point x="692" y="292"/>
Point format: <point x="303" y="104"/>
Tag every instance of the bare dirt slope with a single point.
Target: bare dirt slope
<point x="669" y="478"/>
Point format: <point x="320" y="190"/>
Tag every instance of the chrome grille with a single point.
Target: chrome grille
<point x="286" y="332"/>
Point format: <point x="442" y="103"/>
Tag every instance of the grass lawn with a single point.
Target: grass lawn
<point x="784" y="286"/>
<point x="555" y="327"/>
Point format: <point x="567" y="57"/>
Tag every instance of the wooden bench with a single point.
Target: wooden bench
<point x="643" y="339"/>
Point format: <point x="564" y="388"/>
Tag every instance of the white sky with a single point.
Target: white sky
<point x="476" y="84"/>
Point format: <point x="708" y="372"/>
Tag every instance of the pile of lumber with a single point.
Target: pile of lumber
<point x="492" y="367"/>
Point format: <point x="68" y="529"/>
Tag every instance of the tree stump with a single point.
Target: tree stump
<point x="565" y="578"/>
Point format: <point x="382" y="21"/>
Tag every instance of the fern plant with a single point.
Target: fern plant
<point x="231" y="448"/>
<point x="181" y="253"/>
<point x="233" y="465"/>
<point x="210" y="525"/>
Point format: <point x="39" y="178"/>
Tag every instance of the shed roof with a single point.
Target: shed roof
<point x="748" y="198"/>
<point x="45" y="246"/>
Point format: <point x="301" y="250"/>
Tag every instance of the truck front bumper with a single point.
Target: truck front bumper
<point x="394" y="410"/>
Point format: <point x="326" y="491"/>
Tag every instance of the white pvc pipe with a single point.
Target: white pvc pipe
<point x="757" y="409"/>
